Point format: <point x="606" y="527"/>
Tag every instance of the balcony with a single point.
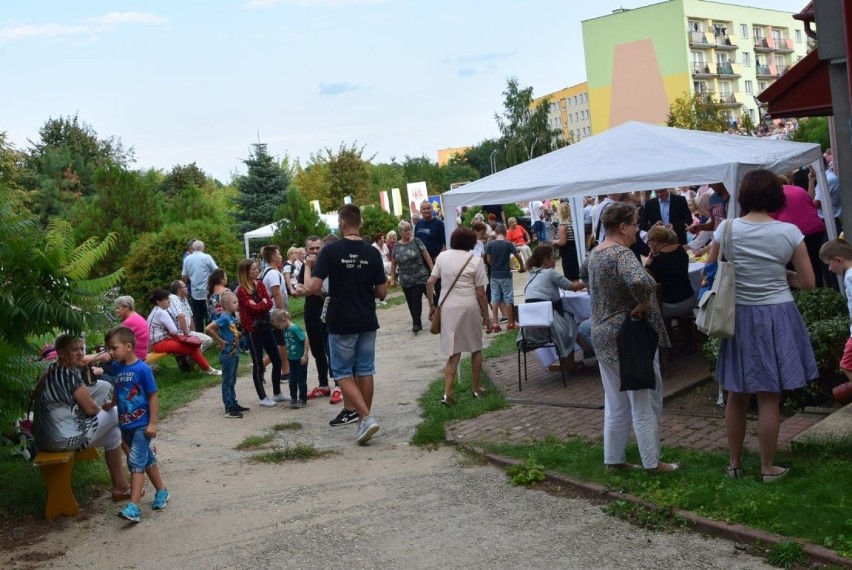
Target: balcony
<point x="730" y="99"/>
<point x="726" y="43"/>
<point x="763" y="45"/>
<point x="727" y="70"/>
<point x="701" y="69"/>
<point x="770" y="71"/>
<point x="700" y="40"/>
<point x="784" y="45"/>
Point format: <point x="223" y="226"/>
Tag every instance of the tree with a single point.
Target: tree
<point x="420" y="168"/>
<point x="180" y="177"/>
<point x="479" y="156"/>
<point x="82" y="140"/>
<point x="45" y="288"/>
<point x="387" y="175"/>
<point x="525" y="131"/>
<point x="125" y="205"/>
<point x="261" y="190"/>
<point x="312" y="182"/>
<point x="348" y="174"/>
<point x="698" y="112"/>
<point x="375" y="220"/>
<point x="298" y="221"/>
<point x="814" y="130"/>
<point x="455" y="171"/>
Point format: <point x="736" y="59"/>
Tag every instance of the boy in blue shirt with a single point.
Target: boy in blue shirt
<point x="224" y="330"/>
<point x="138" y="406"/>
<point x="298" y="350"/>
<point x="837" y="254"/>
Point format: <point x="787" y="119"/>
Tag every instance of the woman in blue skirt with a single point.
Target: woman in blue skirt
<point x="770" y="350"/>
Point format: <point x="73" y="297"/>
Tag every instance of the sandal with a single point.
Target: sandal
<point x="734" y="472"/>
<point x="448" y="400"/>
<point x="479" y="393"/>
<point x="622" y="467"/>
<point x="663" y="468"/>
<point x="772" y="477"/>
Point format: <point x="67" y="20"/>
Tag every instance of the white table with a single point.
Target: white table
<point x="695" y="269"/>
<point x="578" y="304"/>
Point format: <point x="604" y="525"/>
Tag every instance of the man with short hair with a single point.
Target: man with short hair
<point x="498" y="252"/>
<point x="430" y="230"/>
<point x="669" y="209"/>
<point x="181" y="312"/>
<point x="196" y="270"/>
<point x="356" y="278"/>
<point x="273" y="280"/>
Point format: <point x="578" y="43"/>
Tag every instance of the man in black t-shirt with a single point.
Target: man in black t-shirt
<point x="314" y="327"/>
<point x="356" y="278"/>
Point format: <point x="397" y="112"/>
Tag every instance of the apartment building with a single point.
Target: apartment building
<point x="569" y="111"/>
<point x="639" y="61"/>
<point x="445" y="154"/>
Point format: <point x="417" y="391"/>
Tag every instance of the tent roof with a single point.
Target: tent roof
<point x="635" y="156"/>
<point x="262" y="232"/>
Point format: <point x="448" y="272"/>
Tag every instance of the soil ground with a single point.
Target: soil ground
<point x="383" y="505"/>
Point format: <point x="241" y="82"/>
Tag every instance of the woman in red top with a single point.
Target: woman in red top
<point x="254" y="303"/>
<point x="516" y="234"/>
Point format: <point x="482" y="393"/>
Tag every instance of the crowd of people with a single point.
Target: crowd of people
<point x="639" y="248"/>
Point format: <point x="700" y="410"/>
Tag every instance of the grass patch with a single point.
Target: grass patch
<point x="658" y="519"/>
<point x="300" y="452"/>
<point x="255" y="441"/>
<point x="813" y="503"/>
<point x="287" y="426"/>
<point x="787" y="555"/>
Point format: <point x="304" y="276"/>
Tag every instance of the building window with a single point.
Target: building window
<point x="798" y="36"/>
<point x="758" y="34"/>
<point x="694" y="27"/>
<point x="570" y="119"/>
<point x="746" y="59"/>
<point x="749" y="87"/>
<point x="761" y="86"/>
<point x="744" y="31"/>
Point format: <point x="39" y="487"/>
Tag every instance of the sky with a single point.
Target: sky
<point x="201" y="81"/>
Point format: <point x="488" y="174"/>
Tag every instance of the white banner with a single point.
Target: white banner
<point x="397" y="202"/>
<point x="316" y="205"/>
<point x="416" y="194"/>
<point x="383" y="199"/>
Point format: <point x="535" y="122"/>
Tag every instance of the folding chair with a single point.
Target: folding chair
<point x="535" y="331"/>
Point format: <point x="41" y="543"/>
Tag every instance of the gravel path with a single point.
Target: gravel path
<point x="385" y="505"/>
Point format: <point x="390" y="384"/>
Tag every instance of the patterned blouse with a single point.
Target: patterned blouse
<point x="409" y="261"/>
<point x="617" y="283"/>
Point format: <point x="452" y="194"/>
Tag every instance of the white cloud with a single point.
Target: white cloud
<point x="89" y="29"/>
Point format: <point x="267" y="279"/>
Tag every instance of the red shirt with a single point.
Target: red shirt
<point x="248" y="312"/>
<point x="516" y="235"/>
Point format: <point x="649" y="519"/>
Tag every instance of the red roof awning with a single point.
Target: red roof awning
<point x="804" y="91"/>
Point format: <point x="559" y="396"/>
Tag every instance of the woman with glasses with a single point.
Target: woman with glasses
<point x="620" y="289"/>
<point x="413" y="264"/>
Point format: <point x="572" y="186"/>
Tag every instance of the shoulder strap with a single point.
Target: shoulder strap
<point x="265" y="272"/>
<point x="441" y="304"/>
<point x="729" y="254"/>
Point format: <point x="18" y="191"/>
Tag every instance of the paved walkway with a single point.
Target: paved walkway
<point x="545" y="408"/>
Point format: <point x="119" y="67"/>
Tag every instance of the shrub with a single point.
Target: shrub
<point x="819" y="304"/>
<point x="375" y="220"/>
<point x="155" y="259"/>
<point x="828" y="337"/>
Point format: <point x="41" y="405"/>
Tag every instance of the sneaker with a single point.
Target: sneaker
<point x="240" y="408"/>
<point x="336" y="396"/>
<point x="511" y="326"/>
<point x="302" y="403"/>
<point x="344" y="417"/>
<point x="294" y="405"/>
<point x="268" y="402"/>
<point x="131" y="512"/>
<point x="503" y="320"/>
<point x="213" y="371"/>
<point x="319" y="392"/>
<point x="367" y="429"/>
<point x="496" y="328"/>
<point x="161" y="498"/>
<point x="234" y="413"/>
<point x="416" y="329"/>
<point x="282" y="397"/>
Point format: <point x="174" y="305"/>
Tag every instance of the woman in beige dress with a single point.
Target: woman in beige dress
<point x="464" y="312"/>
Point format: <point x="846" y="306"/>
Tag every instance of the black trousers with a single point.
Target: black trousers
<point x="318" y="339"/>
<point x="414" y="299"/>
<point x="258" y="342"/>
<point x="199" y="314"/>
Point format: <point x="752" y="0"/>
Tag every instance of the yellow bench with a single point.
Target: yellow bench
<point x="56" y="467"/>
<point x="155" y="356"/>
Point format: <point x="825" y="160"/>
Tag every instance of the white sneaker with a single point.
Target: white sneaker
<point x="367" y="429"/>
<point x="267" y="402"/>
<point x="213" y="372"/>
<point x="280" y="398"/>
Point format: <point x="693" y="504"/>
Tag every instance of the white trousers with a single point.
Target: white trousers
<point x="641" y="408"/>
<point x="206" y="341"/>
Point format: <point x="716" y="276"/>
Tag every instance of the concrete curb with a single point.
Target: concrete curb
<point x="719" y="529"/>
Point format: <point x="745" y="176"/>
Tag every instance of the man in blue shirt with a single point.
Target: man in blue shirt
<point x="197" y="268"/>
<point x="430" y="230"/>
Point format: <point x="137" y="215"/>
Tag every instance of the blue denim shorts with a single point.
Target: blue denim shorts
<point x="352" y="354"/>
<point x="141" y="455"/>
<point x="502" y="290"/>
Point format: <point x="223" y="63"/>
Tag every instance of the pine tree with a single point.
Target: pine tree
<point x="261" y="191"/>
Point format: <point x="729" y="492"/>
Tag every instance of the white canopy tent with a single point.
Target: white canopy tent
<point x="638" y="156"/>
<point x="270" y="229"/>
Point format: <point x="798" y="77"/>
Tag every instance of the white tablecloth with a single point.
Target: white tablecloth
<point x="578" y="304"/>
<point x="695" y="275"/>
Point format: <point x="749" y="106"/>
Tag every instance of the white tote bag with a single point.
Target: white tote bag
<point x="716" y="309"/>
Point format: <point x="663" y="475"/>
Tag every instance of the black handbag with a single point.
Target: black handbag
<point x="637" y="346"/>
